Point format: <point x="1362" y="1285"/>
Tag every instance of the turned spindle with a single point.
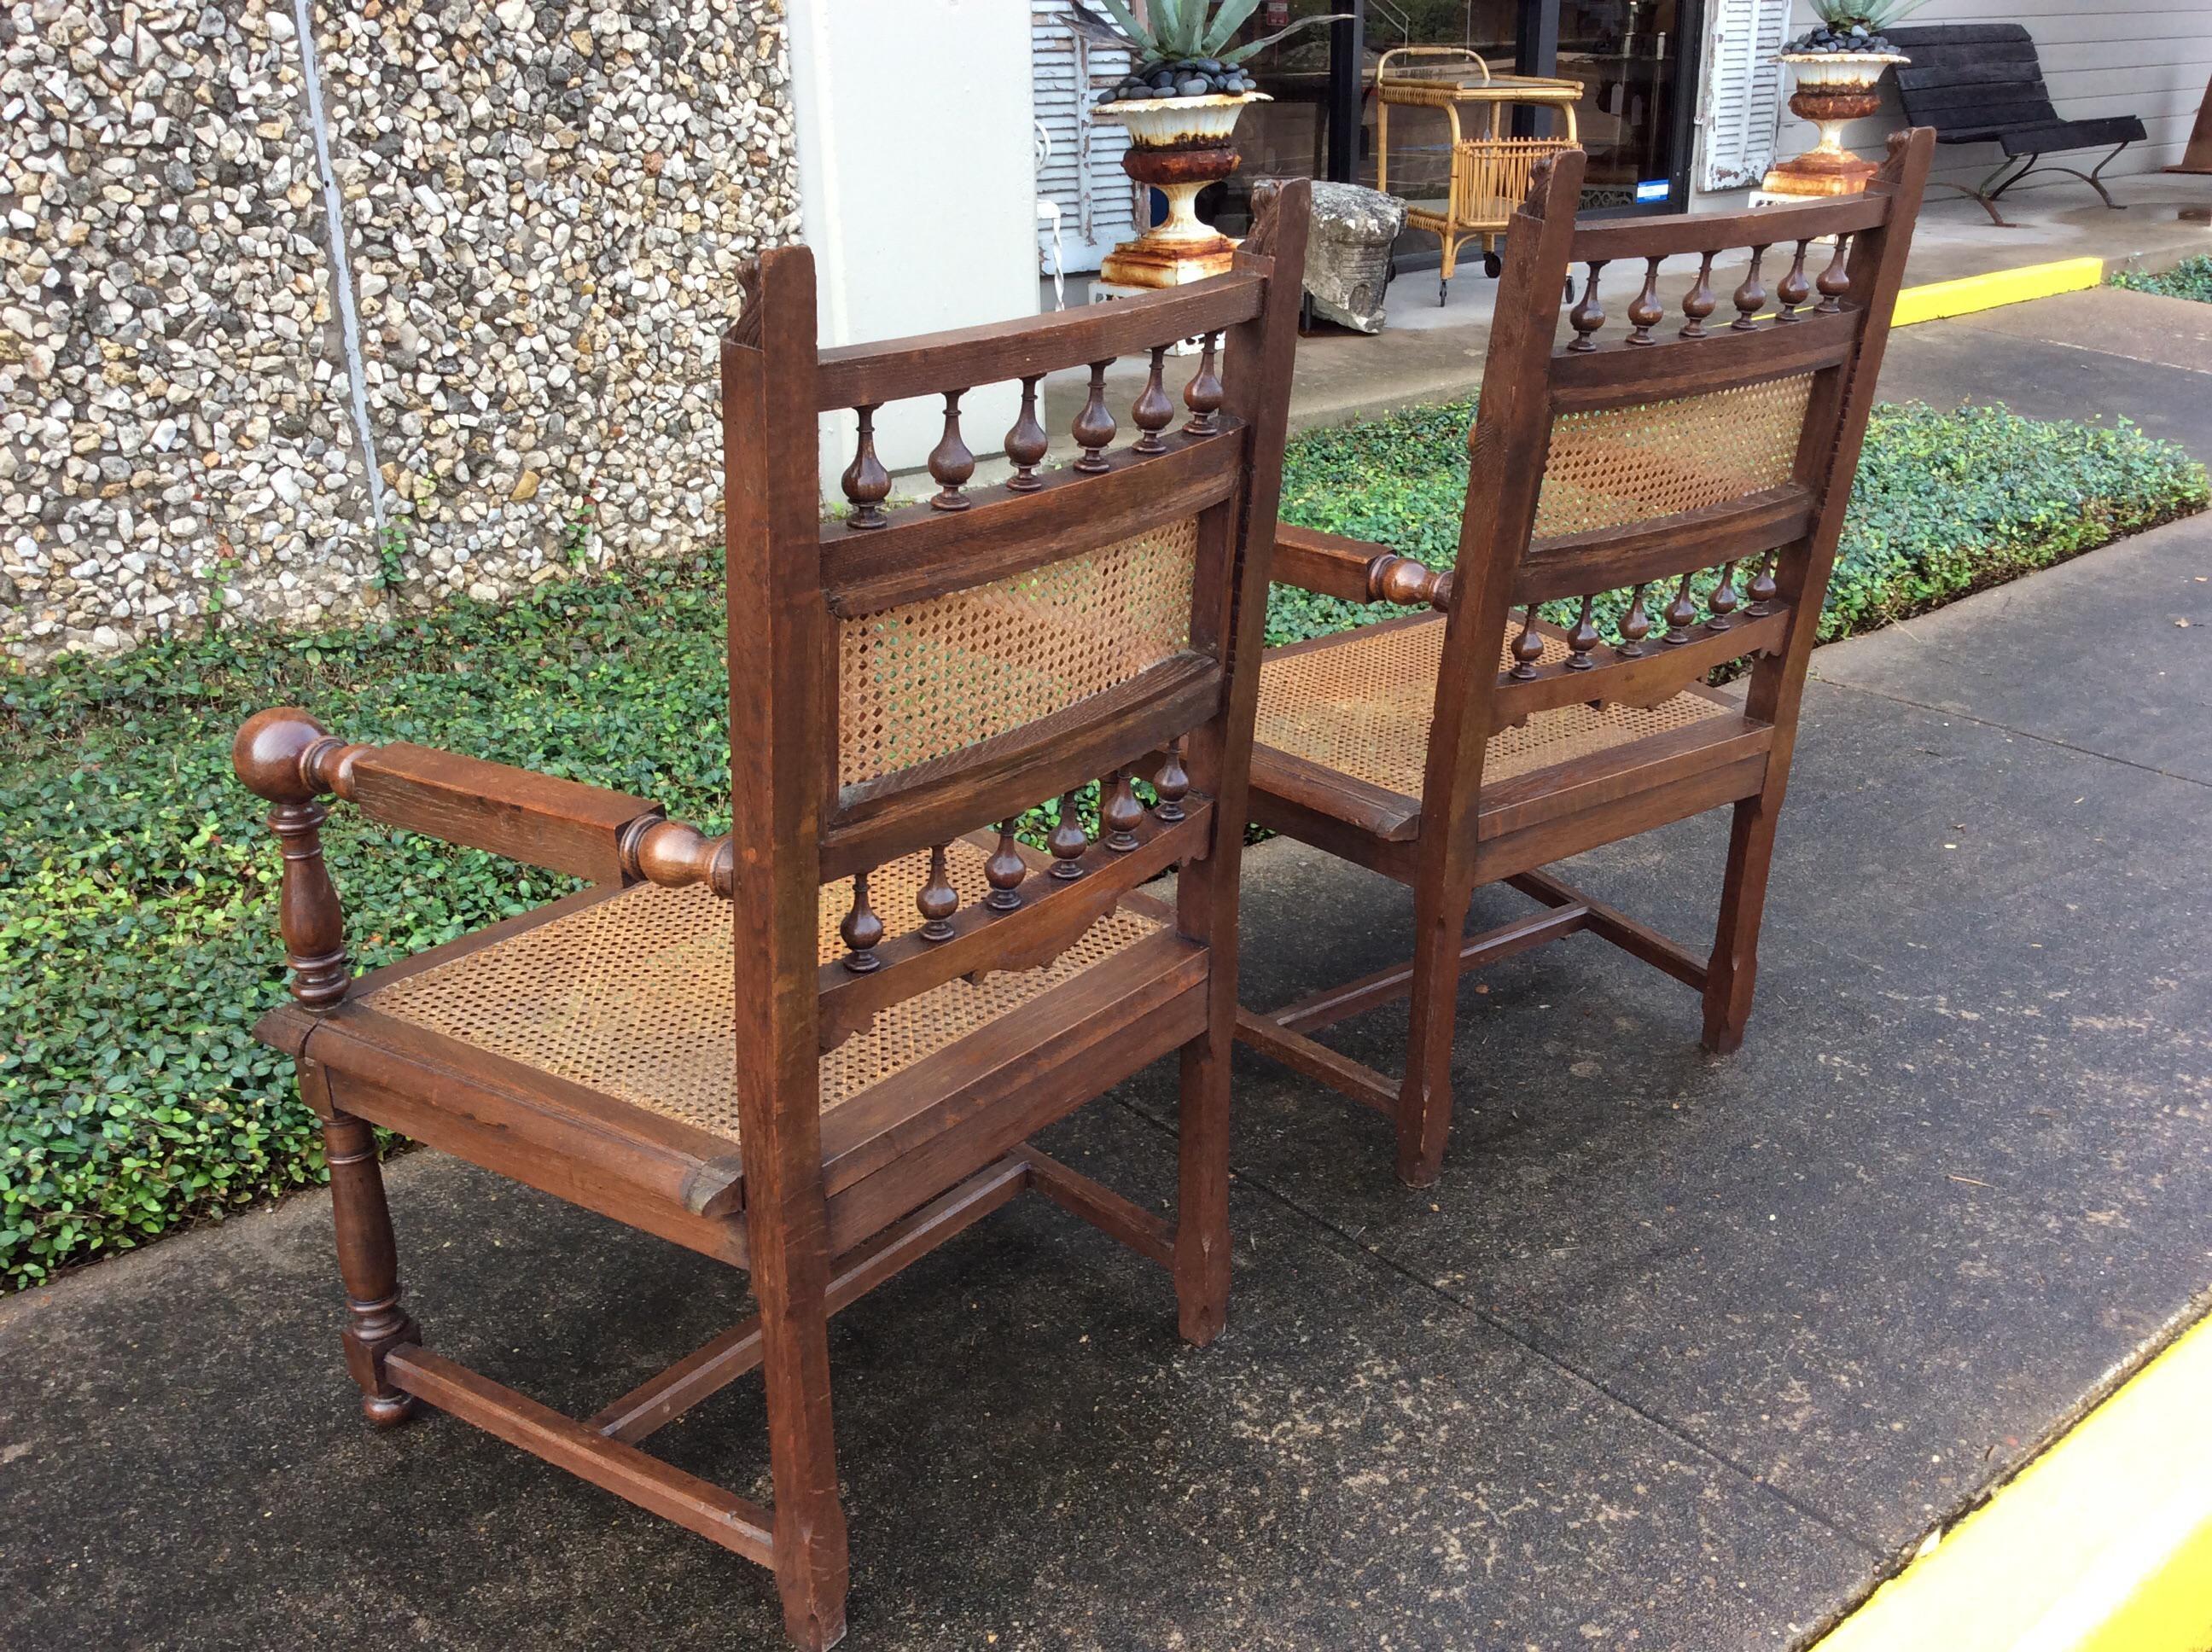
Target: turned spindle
<point x="1763" y="589"/>
<point x="1793" y="288"/>
<point x="1681" y="614"/>
<point x="1027" y="441"/>
<point x="950" y="461"/>
<point x="1647" y="310"/>
<point x="1094" y="426"/>
<point x="1173" y="782"/>
<point x="937" y="900"/>
<point x="1152" y="410"/>
<point x="1751" y="297"/>
<point x="1204" y="395"/>
<point x="1003" y="872"/>
<point x="1582" y="638"/>
<point x="1527" y="647"/>
<point x="862" y="930"/>
<point x="1697" y="303"/>
<point x="1723" y="602"/>
<point x="1589" y="315"/>
<point x="1068" y="840"/>
<point x="1835" y="282"/>
<point x="277" y="754"/>
<point x="1118" y="811"/>
<point x="1635" y="625"/>
<point x="866" y="483"/>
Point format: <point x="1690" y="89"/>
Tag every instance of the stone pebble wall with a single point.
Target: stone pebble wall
<point x="540" y="210"/>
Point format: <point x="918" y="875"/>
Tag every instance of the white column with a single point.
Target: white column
<point x="917" y="190"/>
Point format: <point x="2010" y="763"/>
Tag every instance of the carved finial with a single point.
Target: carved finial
<point x="1094" y="426"/>
<point x="1027" y="441"/>
<point x="938" y="900"/>
<point x="1003" y="872"/>
<point x="1204" y="394"/>
<point x="866" y="483"/>
<point x="1118" y="811"/>
<point x="1068" y="840"/>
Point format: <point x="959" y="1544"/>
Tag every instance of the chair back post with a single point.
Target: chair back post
<point x="1505" y="472"/>
<point x="779" y="706"/>
<point x="1835" y="430"/>
<point x="1259" y="360"/>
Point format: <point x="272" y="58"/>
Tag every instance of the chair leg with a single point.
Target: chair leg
<point x="1424" y="1098"/>
<point x="368" y="1262"/>
<point x="1201" y="1233"/>
<point x="790" y="1277"/>
<point x="1733" y="971"/>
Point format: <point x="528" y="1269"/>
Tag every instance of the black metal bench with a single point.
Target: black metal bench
<point x="1982" y="84"/>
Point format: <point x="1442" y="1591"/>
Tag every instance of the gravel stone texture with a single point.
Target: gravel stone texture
<point x="542" y="211"/>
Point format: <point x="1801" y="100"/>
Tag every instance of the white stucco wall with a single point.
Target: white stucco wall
<point x="917" y="189"/>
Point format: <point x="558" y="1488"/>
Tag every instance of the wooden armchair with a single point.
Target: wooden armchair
<point x="817" y="1047"/>
<point x="1704" y="472"/>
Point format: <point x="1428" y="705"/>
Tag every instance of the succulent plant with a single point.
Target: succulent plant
<point x="1853" y="26"/>
<point x="1182" y="49"/>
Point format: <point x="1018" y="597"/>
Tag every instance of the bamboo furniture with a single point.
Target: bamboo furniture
<point x="816" y="1047"/>
<point x="1490" y="173"/>
<point x="1704" y="469"/>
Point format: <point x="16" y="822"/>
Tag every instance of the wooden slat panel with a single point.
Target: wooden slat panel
<point x="721" y="1516"/>
<point x="537" y="819"/>
<point x="1659" y="674"/>
<point x="935" y="802"/>
<point x="1055" y="913"/>
<point x="1621" y="375"/>
<point x="1718" y="232"/>
<point x="1574" y="565"/>
<point x="861" y="375"/>
<point x="925" y="553"/>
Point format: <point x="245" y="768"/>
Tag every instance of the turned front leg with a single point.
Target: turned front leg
<point x="282" y="754"/>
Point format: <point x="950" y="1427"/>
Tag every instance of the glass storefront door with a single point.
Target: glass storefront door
<point x="1634" y="59"/>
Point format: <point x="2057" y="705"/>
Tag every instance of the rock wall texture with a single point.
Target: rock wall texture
<point x="477" y="354"/>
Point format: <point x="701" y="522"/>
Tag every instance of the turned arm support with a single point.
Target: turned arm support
<point x="1356" y="570"/>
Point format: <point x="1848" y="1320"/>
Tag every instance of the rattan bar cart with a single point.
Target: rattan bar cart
<point x="1489" y="173"/>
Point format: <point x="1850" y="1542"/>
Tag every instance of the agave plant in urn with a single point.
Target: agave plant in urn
<point x="1838" y="68"/>
<point x="1181" y="103"/>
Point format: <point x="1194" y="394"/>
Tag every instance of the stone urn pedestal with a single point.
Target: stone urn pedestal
<point x="1177" y="146"/>
<point x="1831" y="88"/>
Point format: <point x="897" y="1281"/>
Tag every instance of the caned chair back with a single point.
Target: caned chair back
<point x="1657" y="488"/>
<point x="906" y="681"/>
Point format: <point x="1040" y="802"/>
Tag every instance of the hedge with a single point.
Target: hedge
<point x="2190" y="278"/>
<point x="137" y="926"/>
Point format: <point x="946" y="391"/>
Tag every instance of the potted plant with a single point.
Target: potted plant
<point x="1181" y="103"/>
<point x="1838" y="68"/>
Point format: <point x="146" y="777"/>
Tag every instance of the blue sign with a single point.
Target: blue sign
<point x="1652" y="189"/>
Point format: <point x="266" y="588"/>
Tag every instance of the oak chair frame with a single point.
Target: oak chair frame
<point x="1459" y="834"/>
<point x="819" y="1207"/>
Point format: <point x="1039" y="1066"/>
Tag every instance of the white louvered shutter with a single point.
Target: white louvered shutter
<point x="1083" y="172"/>
<point x="1742" y="102"/>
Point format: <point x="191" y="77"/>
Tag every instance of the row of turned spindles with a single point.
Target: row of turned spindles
<point x="1120" y="813"/>
<point x="1646" y="311"/>
<point x="951" y="463"/>
<point x="1680" y="615"/>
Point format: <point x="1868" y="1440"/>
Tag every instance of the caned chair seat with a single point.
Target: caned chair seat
<point x="632" y="996"/>
<point x="1359" y="704"/>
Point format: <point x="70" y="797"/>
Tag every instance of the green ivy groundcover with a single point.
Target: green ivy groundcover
<point x="138" y="921"/>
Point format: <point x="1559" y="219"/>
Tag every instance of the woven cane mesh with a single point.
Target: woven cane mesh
<point x="1362" y="706"/>
<point x="927" y="678"/>
<point x="1627" y="465"/>
<point x="634" y="996"/>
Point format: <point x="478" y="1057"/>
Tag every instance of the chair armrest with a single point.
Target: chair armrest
<point x="285" y="756"/>
<point x="1356" y="570"/>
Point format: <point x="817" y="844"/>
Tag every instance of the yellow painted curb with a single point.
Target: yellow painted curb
<point x="2103" y="1544"/>
<point x="1938" y="299"/>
